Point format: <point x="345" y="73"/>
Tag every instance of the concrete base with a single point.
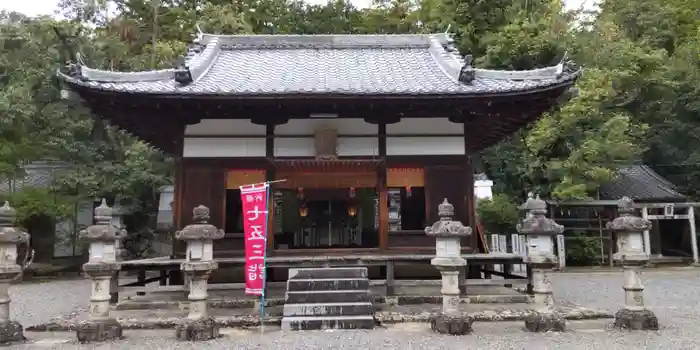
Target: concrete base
<point x="99" y="330"/>
<point x="638" y="320"/>
<point x="11" y="331"/>
<point x="545" y="322"/>
<point x="195" y="330"/>
<point x="452" y="325"/>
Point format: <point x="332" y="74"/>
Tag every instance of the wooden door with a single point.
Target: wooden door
<point x="203" y="186"/>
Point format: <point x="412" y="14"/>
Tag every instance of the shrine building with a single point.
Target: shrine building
<point x="369" y="132"/>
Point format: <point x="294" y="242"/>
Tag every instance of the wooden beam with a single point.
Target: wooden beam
<point x="383" y="191"/>
<point x="645" y="234"/>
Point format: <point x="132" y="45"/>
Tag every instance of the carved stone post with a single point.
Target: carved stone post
<point x="198" y="266"/>
<point x="631" y="255"/>
<point x="449" y="262"/>
<point x="540" y="232"/>
<point x="10" y="237"/>
<point x="101" y="268"/>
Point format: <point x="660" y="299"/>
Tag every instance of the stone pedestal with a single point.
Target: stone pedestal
<point x="10" y="237"/>
<point x="101" y="269"/>
<point x="540" y="232"/>
<point x="449" y="262"/>
<point x="199" y="264"/>
<point x="629" y="230"/>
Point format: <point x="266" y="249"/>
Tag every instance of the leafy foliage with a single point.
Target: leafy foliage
<point x="498" y="215"/>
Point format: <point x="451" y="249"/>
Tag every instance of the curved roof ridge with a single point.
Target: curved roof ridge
<point x="197" y="62"/>
<point x="551" y="72"/>
<point x="103" y="75"/>
<point x="459" y="68"/>
<point x="448" y="62"/>
<point x="319" y="41"/>
<point x="200" y="63"/>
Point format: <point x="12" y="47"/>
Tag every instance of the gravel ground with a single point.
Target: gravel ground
<point x="671" y="293"/>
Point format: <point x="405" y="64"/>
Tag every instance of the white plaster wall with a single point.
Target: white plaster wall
<point x="347" y="146"/>
<point x="233" y="127"/>
<point x="358" y="146"/>
<point x="223" y="147"/>
<point x="482" y="189"/>
<point x="405" y="146"/>
<point x="424" y="126"/>
<point x="343" y="126"/>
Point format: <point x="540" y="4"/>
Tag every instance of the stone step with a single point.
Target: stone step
<point x="328" y="284"/>
<point x="328" y="296"/>
<point x="327" y="322"/>
<point x="328" y="272"/>
<point x="328" y="309"/>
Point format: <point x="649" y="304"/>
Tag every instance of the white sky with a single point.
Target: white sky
<point x="47" y="7"/>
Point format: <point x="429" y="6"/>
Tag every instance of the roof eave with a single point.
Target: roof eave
<point x="78" y="85"/>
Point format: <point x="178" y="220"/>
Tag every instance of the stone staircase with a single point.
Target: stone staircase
<point x="328" y="298"/>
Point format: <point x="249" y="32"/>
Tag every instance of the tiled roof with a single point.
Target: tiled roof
<point x="325" y="64"/>
<point x="640" y="182"/>
<point x="39" y="174"/>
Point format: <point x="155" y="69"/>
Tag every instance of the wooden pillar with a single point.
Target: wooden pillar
<point x="693" y="237"/>
<point x="383" y="191"/>
<point x="178" y="245"/>
<point x="647" y="241"/>
<point x="471" y="206"/>
<point x="270" y="176"/>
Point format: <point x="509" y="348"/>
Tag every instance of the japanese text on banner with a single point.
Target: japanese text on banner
<point x="255" y="214"/>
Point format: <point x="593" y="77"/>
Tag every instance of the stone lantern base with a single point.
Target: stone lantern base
<point x="637" y="320"/>
<point x="545" y="322"/>
<point x="11" y="331"/>
<point x="451" y="324"/>
<point x="99" y="330"/>
<point x="197" y="329"/>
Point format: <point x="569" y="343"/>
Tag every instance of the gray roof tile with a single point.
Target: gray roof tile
<point x="640" y="182"/>
<point x="326" y="64"/>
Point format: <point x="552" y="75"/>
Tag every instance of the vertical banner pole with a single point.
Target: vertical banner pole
<point x="264" y="280"/>
<point x="255" y="226"/>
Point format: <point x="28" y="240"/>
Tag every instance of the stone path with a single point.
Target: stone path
<point x="672" y="293"/>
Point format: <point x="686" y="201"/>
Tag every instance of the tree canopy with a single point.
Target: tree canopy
<point x="637" y="100"/>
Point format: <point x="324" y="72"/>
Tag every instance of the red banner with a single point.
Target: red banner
<point x="254" y="198"/>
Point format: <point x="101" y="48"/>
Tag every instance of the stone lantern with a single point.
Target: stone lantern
<point x="198" y="266"/>
<point x="10" y="237"/>
<point x="540" y="232"/>
<point x="449" y="262"/>
<point x="101" y="268"/>
<point x="631" y="255"/>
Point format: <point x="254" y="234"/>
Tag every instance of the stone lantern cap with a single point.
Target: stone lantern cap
<point x="102" y="230"/>
<point x="628" y="221"/>
<point x="9" y="233"/>
<point x="536" y="222"/>
<point x="446" y="227"/>
<point x="201" y="229"/>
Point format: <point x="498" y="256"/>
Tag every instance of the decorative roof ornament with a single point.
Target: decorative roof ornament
<point x="467" y="74"/>
<point x="566" y="66"/>
<point x="182" y="73"/>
